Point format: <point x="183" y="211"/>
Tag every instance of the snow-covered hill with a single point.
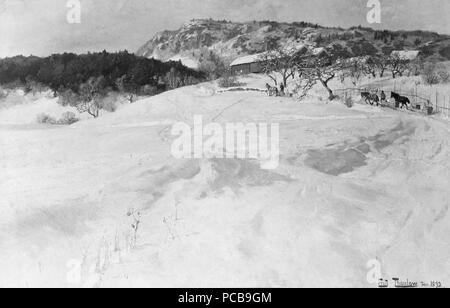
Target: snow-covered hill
<point x="353" y="186"/>
<point x="199" y="40"/>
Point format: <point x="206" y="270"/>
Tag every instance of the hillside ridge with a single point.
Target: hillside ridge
<point x="198" y="40"/>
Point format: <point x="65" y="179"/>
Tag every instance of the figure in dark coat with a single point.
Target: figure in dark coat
<point x="383" y="97"/>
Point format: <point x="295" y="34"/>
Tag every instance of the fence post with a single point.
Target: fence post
<point x="416" y="92"/>
<point x="437" y="110"/>
<point x="448" y="108"/>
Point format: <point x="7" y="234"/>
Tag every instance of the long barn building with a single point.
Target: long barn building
<point x="253" y="64"/>
<point x="247" y="65"/>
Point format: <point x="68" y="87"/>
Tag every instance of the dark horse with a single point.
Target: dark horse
<point x="370" y="98"/>
<point x="402" y="100"/>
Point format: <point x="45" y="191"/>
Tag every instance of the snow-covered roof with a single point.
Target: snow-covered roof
<point x="247" y="59"/>
<point x="406" y="54"/>
<point x="362" y="59"/>
<point x="258" y="57"/>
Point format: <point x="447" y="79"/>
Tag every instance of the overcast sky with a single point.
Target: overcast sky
<point x="40" y="27"/>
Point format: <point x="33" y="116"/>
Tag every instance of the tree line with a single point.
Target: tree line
<point x="84" y="79"/>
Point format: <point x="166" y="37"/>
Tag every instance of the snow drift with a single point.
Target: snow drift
<point x="354" y="185"/>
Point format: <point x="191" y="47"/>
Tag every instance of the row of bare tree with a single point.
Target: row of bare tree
<point x="320" y="66"/>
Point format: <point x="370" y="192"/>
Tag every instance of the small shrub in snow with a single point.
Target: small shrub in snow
<point x="229" y="81"/>
<point x="68" y="118"/>
<point x="444" y="76"/>
<point x="429" y="74"/>
<point x="44" y="118"/>
<point x="348" y="101"/>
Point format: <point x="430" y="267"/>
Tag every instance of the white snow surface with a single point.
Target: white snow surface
<point x="20" y="109"/>
<point x="354" y="185"/>
<point x="186" y="61"/>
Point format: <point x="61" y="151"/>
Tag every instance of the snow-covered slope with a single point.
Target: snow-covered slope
<point x="354" y="185"/>
<point x="20" y="109"/>
<point x="199" y="40"/>
<point x="202" y="39"/>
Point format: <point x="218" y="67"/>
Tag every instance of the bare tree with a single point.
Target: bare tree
<point x="415" y="67"/>
<point x="212" y="64"/>
<point x="280" y="61"/>
<point x="173" y="79"/>
<point x="303" y="86"/>
<point x="398" y="65"/>
<point x="370" y="66"/>
<point x="129" y="88"/>
<point x="320" y="68"/>
<point x="90" y="95"/>
<point x="429" y="74"/>
<point x="356" y="68"/>
<point x="383" y="65"/>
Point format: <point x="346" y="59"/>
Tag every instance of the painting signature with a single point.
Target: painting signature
<point x="407" y="284"/>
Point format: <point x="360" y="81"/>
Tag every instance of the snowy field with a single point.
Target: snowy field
<point x="353" y="186"/>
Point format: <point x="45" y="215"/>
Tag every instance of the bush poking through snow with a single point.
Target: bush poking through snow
<point x="229" y="81"/>
<point x="135" y="222"/>
<point x="44" y="118"/>
<point x="429" y="74"/>
<point x="348" y="101"/>
<point x="444" y="75"/>
<point x="433" y="74"/>
<point x="67" y="118"/>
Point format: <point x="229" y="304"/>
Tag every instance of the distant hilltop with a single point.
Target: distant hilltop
<point x="200" y="39"/>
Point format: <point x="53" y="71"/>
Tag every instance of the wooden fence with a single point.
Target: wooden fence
<point x="439" y="100"/>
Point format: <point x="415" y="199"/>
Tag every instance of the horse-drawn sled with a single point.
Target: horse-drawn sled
<point x="373" y="98"/>
<point x="370" y="98"/>
<point x="400" y="101"/>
